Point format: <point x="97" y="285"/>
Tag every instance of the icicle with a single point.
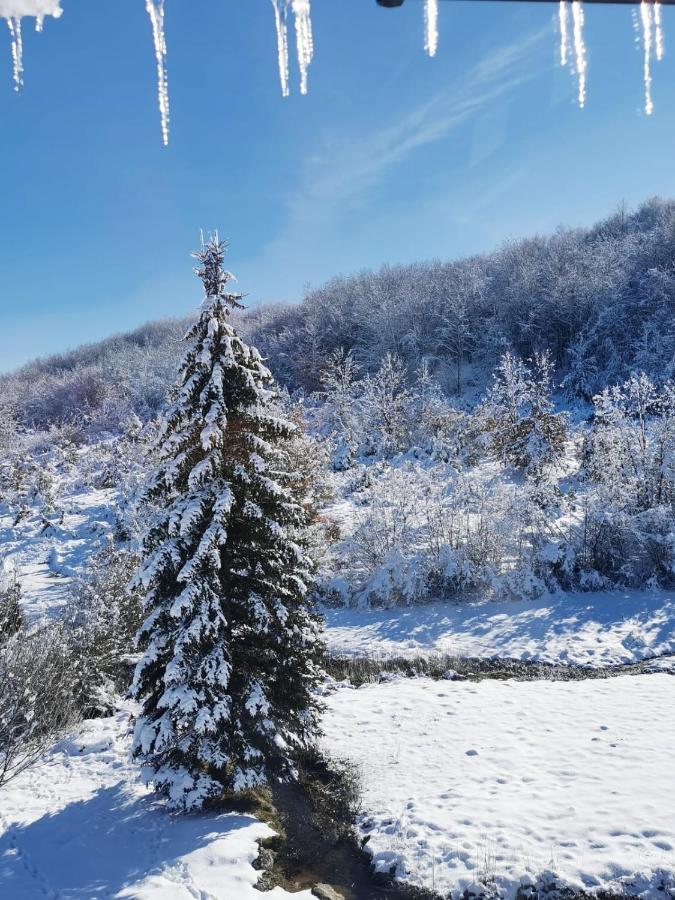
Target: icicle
<point x="579" y="48"/>
<point x="647" y="27"/>
<point x="155" y="10"/>
<point x="39" y="23"/>
<point x="281" y="22"/>
<point x="304" y="39"/>
<point x="431" y="26"/>
<point x="14" y="24"/>
<point x="659" y="30"/>
<point x="564" y="32"/>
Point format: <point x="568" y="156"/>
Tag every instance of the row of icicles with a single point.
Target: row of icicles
<point x="570" y="18"/>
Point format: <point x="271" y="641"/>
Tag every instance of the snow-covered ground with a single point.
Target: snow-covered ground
<point x="47" y="549"/>
<point x="81" y="827"/>
<point x="590" y="629"/>
<point x="462" y="781"/>
<point x="500" y="781"/>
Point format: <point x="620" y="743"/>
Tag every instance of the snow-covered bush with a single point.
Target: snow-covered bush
<point x="8" y="435"/>
<point x="11" y="617"/>
<point x="384" y="413"/>
<point x="101" y="622"/>
<point x="36" y="699"/>
<point x="628" y="531"/>
<point x="631" y="449"/>
<point x="435" y="425"/>
<point x="339" y="417"/>
<point x="385" y="406"/>
<point x="517" y="417"/>
<point x="430" y="531"/>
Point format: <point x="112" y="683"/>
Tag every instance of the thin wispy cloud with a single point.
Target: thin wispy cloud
<point x="340" y="177"/>
<point x="353" y="165"/>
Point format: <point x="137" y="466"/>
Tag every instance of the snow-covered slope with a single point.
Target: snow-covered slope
<point x="503" y="781"/>
<point x="588" y="629"/>
<point x="47" y="549"/>
<point x="81" y="827"/>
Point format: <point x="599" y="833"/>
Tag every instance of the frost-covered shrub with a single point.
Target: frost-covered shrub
<point x="628" y="532"/>
<point x="517" y="418"/>
<point x="8" y="428"/>
<point x="425" y="532"/>
<point x="11" y="617"/>
<point x="386" y="408"/>
<point x="365" y="414"/>
<point x="436" y="426"/>
<point x="628" y="549"/>
<point x="100" y="624"/>
<point x="308" y="461"/>
<point x="384" y="413"/>
<point x="339" y="417"/>
<point x="388" y="520"/>
<point x="36" y="699"/>
<point x="631" y="450"/>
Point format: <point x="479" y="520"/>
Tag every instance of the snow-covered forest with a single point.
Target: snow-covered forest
<point x="463" y="467"/>
<point x="599" y="300"/>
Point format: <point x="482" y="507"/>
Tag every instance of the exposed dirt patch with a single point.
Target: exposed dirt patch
<point x="316" y="846"/>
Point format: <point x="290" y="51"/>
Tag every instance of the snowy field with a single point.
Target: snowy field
<point x="590" y="629"/>
<point x="505" y="781"/>
<point x="81" y="827"/>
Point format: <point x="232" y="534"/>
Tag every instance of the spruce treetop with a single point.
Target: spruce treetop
<point x="212" y="274"/>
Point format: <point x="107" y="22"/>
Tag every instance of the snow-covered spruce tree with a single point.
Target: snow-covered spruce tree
<point x="230" y="646"/>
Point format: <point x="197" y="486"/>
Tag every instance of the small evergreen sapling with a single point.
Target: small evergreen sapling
<point x="230" y="646"/>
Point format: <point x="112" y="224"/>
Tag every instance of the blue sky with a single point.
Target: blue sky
<point x="391" y="157"/>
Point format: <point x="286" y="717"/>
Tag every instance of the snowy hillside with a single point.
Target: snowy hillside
<point x="45" y="552"/>
<point x="493" y="565"/>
